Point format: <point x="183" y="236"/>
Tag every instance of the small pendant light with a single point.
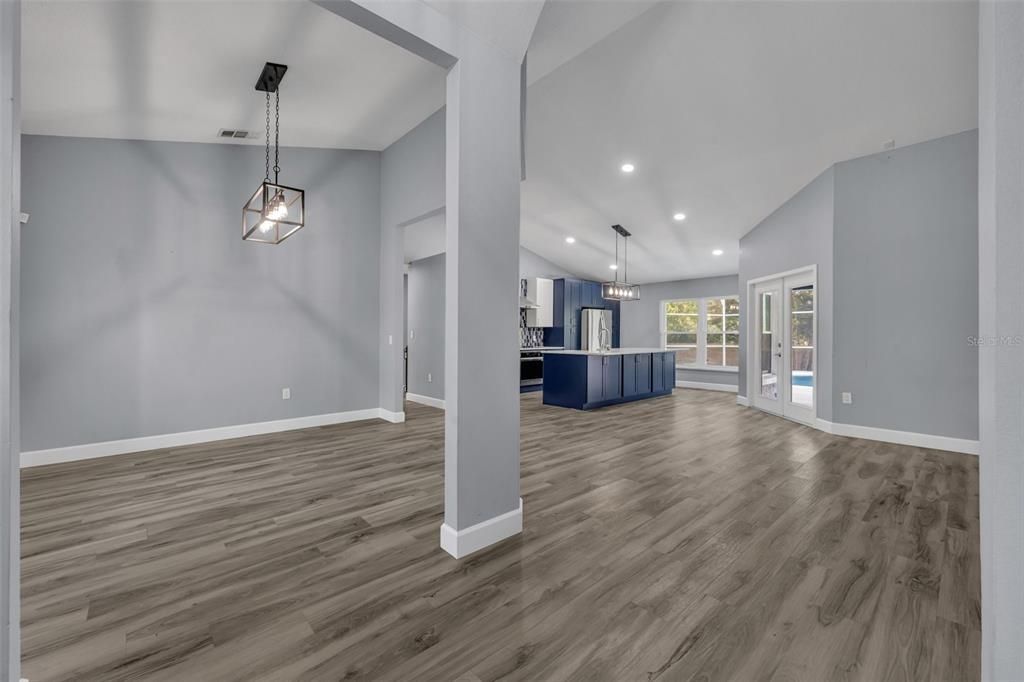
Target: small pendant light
<point x="274" y="212"/>
<point x="616" y="290"/>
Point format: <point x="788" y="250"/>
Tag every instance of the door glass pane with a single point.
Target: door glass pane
<point x="801" y="351"/>
<point x="767" y="358"/>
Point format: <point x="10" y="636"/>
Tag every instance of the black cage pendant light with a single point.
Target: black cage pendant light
<point x="274" y="212"/>
<point x="616" y="290"/>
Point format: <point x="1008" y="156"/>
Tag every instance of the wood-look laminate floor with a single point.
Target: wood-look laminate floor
<point x="673" y="539"/>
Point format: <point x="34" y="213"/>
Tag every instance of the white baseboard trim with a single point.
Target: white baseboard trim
<point x="706" y="386"/>
<point x="425" y="400"/>
<point x="743" y="401"/>
<point x="73" y="453"/>
<point x="460" y="543"/>
<point x="921" y="440"/>
<point x="389" y="416"/>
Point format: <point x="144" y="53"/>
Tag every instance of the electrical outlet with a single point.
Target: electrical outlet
<point x="847" y="398"/>
<point x="412" y="333"/>
<point x="430" y="378"/>
<point x="286" y="394"/>
<point x="389" y="339"/>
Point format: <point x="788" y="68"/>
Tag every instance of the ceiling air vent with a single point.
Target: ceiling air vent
<point x="235" y="134"/>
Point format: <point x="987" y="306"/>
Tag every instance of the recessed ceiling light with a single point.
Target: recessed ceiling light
<point x="679" y="217"/>
<point x="613" y="266"/>
<point x="570" y="240"/>
<point x="628" y="168"/>
<point x="717" y="252"/>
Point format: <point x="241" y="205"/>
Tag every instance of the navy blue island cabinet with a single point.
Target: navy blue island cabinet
<point x="584" y="379"/>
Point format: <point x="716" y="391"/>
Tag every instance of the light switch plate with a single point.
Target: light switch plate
<point x="847" y="398"/>
<point x="286" y="394"/>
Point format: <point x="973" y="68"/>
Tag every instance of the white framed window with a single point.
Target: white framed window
<point x="704" y="332"/>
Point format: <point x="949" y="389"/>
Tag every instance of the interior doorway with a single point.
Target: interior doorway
<point x="782" y="367"/>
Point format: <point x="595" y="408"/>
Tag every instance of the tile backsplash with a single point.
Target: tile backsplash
<point x="529" y="337"/>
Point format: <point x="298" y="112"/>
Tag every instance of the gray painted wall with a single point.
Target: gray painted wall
<point x="906" y="288"/>
<point x="641" y="323"/>
<point x="426" y="326"/>
<point x="145" y="313"/>
<point x="1001" y="316"/>
<point x="797" y="234"/>
<point x="412" y="185"/>
<point x="894" y="236"/>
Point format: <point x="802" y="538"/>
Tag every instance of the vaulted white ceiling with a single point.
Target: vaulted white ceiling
<point x="727" y="109"/>
<point x="183" y="69"/>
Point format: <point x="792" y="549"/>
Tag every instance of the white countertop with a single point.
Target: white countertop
<point x="611" y="351"/>
<point x="539" y="348"/>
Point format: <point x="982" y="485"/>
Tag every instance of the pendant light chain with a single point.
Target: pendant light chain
<point x="277" y="132"/>
<point x="273" y="212"/>
<point x="266" y="175"/>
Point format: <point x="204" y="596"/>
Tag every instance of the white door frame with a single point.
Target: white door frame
<point x="775" y="287"/>
<point x="751" y="340"/>
<point x="791" y="410"/>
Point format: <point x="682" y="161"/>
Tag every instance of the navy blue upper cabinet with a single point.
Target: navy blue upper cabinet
<point x="571" y="296"/>
<point x="575" y="303"/>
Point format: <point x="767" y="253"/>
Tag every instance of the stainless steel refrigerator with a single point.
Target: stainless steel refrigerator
<point x="596" y="326"/>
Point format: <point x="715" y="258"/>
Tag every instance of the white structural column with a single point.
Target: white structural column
<point x="10" y="229"/>
<point x="482" y="175"/>
<point x="482" y="168"/>
<point x="1001" y="323"/>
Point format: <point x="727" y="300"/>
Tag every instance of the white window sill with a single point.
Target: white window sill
<point x="705" y="368"/>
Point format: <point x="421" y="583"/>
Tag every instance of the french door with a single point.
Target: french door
<point x="784" y="338"/>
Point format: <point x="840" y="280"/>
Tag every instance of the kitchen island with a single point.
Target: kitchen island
<point x="584" y="379"/>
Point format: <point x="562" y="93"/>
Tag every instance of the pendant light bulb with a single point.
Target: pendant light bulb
<point x="278" y="207"/>
<point x="266" y="226"/>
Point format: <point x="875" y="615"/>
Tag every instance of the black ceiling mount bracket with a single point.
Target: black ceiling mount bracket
<point x="271" y="77"/>
<point x="621" y="230"/>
